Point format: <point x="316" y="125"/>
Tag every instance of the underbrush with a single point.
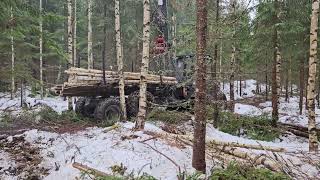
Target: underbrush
<point x="240" y="172"/>
<point x="44" y="114"/>
<point x="259" y="128"/>
<point x="171" y="117"/>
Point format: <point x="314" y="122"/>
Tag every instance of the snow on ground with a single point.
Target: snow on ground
<point x="58" y="104"/>
<point x="248" y="89"/>
<point x="101" y="148"/>
<point x="289" y="111"/>
<point x="247" y="110"/>
<point x="5" y="164"/>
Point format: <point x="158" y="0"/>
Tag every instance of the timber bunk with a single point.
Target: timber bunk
<point x="90" y="82"/>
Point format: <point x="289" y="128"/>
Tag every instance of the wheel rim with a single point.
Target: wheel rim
<point x="112" y="114"/>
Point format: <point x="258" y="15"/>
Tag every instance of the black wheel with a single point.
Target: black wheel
<point x="133" y="103"/>
<point x="108" y="111"/>
<point x="85" y="106"/>
<point x="80" y="106"/>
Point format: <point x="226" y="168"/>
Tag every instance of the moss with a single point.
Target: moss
<point x="259" y="128"/>
<point x="240" y="172"/>
<point x="171" y="117"/>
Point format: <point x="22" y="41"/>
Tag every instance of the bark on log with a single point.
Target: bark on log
<point x="89" y="170"/>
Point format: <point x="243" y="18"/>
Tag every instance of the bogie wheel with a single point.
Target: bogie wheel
<point x="108" y="111"/>
<point x="133" y="103"/>
<point x="80" y="109"/>
<point x="85" y="106"/>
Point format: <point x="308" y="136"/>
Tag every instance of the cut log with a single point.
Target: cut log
<point x="247" y="146"/>
<point x="255" y="159"/>
<point x="90" y="170"/>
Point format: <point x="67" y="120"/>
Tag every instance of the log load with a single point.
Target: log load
<point x="83" y="81"/>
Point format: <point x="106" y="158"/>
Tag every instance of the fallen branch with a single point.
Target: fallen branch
<point x="89" y="170"/>
<point x="173" y="162"/>
<point x="247" y="146"/>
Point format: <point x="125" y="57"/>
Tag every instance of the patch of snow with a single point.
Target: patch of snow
<point x="248" y="89"/>
<point x="247" y="110"/>
<point x="101" y="150"/>
<point x="58" y="104"/>
<point x="5" y="164"/>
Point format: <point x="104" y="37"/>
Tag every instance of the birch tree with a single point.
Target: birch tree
<point x="313" y="140"/>
<point x="41" y="49"/>
<point x="90" y="53"/>
<point x="120" y="60"/>
<point x="198" y="156"/>
<point x="233" y="59"/>
<point x="276" y="85"/>
<point x="12" y="59"/>
<point x="70" y="43"/>
<point x="144" y="66"/>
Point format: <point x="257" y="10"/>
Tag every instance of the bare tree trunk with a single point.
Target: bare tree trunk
<point x="276" y="88"/>
<point x="267" y="81"/>
<point x="198" y="156"/>
<point x="287" y="84"/>
<point x="70" y="43"/>
<point x="313" y="140"/>
<point x="174" y="34"/>
<point x="13" y="87"/>
<point x="301" y="85"/>
<point x="220" y="60"/>
<point x="41" y="49"/>
<point x="144" y="66"/>
<point x="104" y="44"/>
<point x="75" y="33"/>
<point x="90" y="53"/>
<point x="214" y="69"/>
<point x="290" y="77"/>
<point x="120" y="60"/>
<point x="306" y="85"/>
<point x="233" y="60"/>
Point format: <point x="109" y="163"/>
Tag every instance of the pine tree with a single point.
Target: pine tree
<point x="41" y="49"/>
<point x="198" y="156"/>
<point x="90" y="51"/>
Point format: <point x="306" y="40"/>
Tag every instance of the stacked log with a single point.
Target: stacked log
<point x="93" y="76"/>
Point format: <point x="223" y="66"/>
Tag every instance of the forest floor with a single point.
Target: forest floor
<point x="31" y="149"/>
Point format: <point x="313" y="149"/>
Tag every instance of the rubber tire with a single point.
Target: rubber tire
<point x="105" y="108"/>
<point x="133" y="103"/>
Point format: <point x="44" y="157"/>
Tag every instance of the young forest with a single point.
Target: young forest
<point x="159" y="89"/>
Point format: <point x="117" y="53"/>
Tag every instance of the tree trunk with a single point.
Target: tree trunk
<point x="70" y="43"/>
<point x="174" y="38"/>
<point x="13" y="87"/>
<point x="287" y="84"/>
<point x="276" y="88"/>
<point x="75" y="33"/>
<point x="214" y="69"/>
<point x="41" y="48"/>
<point x="144" y="66"/>
<point x="90" y="53"/>
<point x="104" y="44"/>
<point x="233" y="63"/>
<point x="290" y="77"/>
<point x="306" y="85"/>
<point x="313" y="140"/>
<point x="198" y="156"/>
<point x="266" y="76"/>
<point x="301" y="92"/>
<point x="120" y="60"/>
